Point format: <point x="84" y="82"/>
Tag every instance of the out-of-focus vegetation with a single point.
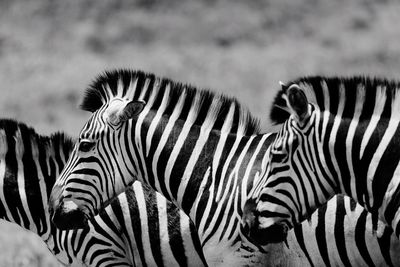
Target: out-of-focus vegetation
<point x="50" y="51"/>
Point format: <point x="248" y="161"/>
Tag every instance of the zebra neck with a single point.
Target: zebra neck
<point x="28" y="169"/>
<point x="362" y="154"/>
<point x="201" y="172"/>
<point x="175" y="165"/>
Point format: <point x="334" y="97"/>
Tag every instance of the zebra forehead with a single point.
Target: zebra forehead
<point x="157" y="91"/>
<point x="326" y="92"/>
<point x="115" y="105"/>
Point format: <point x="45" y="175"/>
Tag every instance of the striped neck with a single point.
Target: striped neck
<point x="201" y="171"/>
<point x="363" y="155"/>
<point x="29" y="164"/>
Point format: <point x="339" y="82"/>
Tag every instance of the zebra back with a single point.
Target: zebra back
<point x="330" y="92"/>
<point x="154" y="91"/>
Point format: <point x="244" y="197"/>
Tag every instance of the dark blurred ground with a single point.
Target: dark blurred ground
<point x="50" y="51"/>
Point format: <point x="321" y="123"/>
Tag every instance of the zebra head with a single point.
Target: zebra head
<point x="291" y="187"/>
<point x="93" y="172"/>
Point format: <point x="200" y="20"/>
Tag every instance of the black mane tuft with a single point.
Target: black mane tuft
<point x="132" y="85"/>
<point x="312" y="86"/>
<point x="11" y="126"/>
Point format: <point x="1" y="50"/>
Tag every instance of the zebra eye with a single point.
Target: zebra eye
<point x="278" y="156"/>
<point x="86" y="145"/>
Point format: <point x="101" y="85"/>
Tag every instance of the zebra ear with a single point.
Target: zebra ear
<point x="297" y="102"/>
<point x="284" y="87"/>
<point x="131" y="109"/>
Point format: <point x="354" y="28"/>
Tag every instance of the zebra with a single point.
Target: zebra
<point x="204" y="152"/>
<point x="341" y="135"/>
<point x="138" y="228"/>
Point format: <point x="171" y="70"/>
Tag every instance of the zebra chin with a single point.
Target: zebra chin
<point x="68" y="216"/>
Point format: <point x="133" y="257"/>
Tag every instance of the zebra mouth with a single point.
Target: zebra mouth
<point x="275" y="233"/>
<point x="258" y="235"/>
<point x="66" y="218"/>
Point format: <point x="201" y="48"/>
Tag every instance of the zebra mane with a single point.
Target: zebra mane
<point x="203" y="105"/>
<point x="324" y="91"/>
<point x="17" y="133"/>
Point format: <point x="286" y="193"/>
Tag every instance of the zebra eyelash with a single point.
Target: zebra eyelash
<point x="86" y="145"/>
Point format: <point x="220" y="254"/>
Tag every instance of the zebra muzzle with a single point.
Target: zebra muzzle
<point x="258" y="235"/>
<point x="68" y="215"/>
<point x="275" y="233"/>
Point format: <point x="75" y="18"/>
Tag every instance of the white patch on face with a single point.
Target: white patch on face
<point x="70" y="205"/>
<point x="112" y="114"/>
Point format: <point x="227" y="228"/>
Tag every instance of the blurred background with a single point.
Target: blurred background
<point x="51" y="50"/>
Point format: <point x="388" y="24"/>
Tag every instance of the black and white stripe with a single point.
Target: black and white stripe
<point x="138" y="228"/>
<point x="202" y="151"/>
<point x="343" y="137"/>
